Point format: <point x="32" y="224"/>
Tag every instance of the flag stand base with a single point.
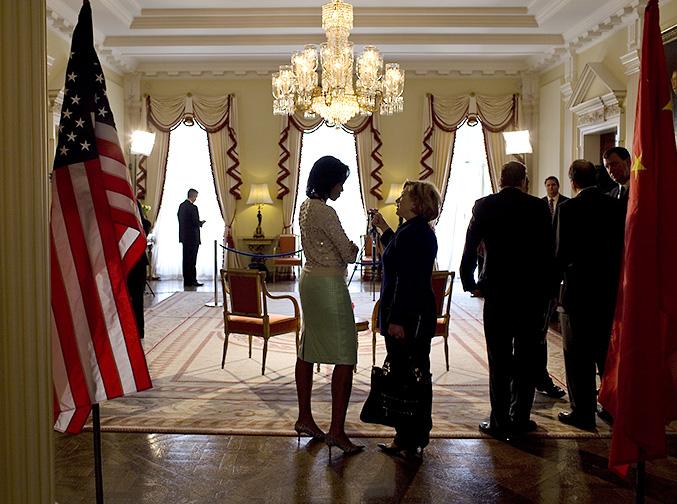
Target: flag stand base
<point x="215" y="303"/>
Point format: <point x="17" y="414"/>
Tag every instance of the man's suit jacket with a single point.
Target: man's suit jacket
<point x="407" y="298"/>
<point x="516" y="229"/>
<point x="590" y="231"/>
<point x="189" y="223"/>
<point x="622" y="194"/>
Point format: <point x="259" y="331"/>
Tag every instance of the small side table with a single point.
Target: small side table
<point x="258" y="246"/>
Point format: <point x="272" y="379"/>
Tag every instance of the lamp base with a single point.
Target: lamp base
<point x="258" y="233"/>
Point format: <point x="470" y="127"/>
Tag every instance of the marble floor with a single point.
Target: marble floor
<point x="174" y="468"/>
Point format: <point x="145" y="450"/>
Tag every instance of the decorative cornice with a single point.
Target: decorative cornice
<point x="264" y="69"/>
<point x="622" y="14"/>
<point x="631" y="62"/>
<point x="287" y="18"/>
<point x="380" y="39"/>
<point x="566" y="90"/>
<point x="64" y="27"/>
<point x="358" y="11"/>
<point x="598" y="110"/>
<point x="592" y="72"/>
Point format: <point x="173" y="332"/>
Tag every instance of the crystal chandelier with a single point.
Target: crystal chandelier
<point x="337" y="99"/>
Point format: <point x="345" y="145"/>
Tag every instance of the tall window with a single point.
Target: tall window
<point x="468" y="181"/>
<point x="188" y="166"/>
<point x="339" y="143"/>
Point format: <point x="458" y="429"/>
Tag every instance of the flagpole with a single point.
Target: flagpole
<point x="640" y="487"/>
<point x="98" y="472"/>
<point x="215" y="303"/>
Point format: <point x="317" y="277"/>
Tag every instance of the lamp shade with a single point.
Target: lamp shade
<point x="393" y="194"/>
<point x="259" y="194"/>
<point x="142" y="142"/>
<point x="517" y="142"/>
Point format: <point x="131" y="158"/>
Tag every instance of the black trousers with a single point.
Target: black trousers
<point x="189" y="260"/>
<point x="513" y="335"/>
<point x="401" y="355"/>
<point x="586" y="340"/>
<point x="136" y="284"/>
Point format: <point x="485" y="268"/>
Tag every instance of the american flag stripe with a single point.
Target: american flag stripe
<point x="103" y="249"/>
<point x="96" y="238"/>
<point x="66" y="286"/>
<point x="73" y="192"/>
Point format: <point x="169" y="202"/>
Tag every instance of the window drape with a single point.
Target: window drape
<point x="218" y="116"/>
<point x="442" y="117"/>
<point x="369" y="163"/>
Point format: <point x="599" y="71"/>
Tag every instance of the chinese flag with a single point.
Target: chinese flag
<point x="639" y="386"/>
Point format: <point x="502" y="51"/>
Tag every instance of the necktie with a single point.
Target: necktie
<point x="552" y="207"/>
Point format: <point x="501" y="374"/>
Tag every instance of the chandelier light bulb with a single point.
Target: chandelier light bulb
<point x="336" y="93"/>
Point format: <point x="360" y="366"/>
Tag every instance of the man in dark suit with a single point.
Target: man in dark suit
<point x="618" y="163"/>
<point x="545" y="384"/>
<point x="189" y="235"/>
<point x="516" y="282"/>
<point x="589" y="248"/>
<point x="553" y="198"/>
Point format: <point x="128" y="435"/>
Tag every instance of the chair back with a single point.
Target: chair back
<point x="245" y="290"/>
<point x="286" y="243"/>
<point x="439" y="282"/>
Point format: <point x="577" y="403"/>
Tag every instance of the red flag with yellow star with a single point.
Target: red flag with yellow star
<point x="639" y="386"/>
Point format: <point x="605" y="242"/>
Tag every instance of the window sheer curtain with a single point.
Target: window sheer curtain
<point x="218" y="116"/>
<point x="369" y="163"/>
<point x="188" y="166"/>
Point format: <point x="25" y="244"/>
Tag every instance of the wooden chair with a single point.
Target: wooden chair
<point x="286" y="243"/>
<point x="245" y="310"/>
<point x="439" y="282"/>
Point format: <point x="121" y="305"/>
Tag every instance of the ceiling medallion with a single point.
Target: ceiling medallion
<point x="337" y="99"/>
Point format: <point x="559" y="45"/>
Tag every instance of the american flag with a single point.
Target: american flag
<point x="96" y="238"/>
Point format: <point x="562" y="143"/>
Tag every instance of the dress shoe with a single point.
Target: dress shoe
<point x="524" y="428"/>
<point x="570" y="418"/>
<point x="604" y="415"/>
<point x="390" y="449"/>
<point x="197" y="284"/>
<point x="486" y="428"/>
<point x="552" y="390"/>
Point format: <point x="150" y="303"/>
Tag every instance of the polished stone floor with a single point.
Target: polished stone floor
<point x="170" y="468"/>
<point x="177" y="469"/>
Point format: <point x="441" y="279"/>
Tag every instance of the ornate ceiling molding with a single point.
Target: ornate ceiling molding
<point x="623" y="16"/>
<point x="448" y="18"/>
<point x="64" y="27"/>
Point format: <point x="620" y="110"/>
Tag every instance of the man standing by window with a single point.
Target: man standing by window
<point x="189" y="236"/>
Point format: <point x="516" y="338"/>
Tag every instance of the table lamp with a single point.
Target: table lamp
<point x="259" y="194"/>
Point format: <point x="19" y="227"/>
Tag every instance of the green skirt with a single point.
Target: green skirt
<point x="328" y="334"/>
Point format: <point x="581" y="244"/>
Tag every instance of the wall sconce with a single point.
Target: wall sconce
<point x="259" y="194"/>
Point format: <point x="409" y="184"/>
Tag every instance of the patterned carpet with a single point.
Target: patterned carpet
<point x="192" y="394"/>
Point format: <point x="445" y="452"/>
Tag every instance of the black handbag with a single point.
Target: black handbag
<point x="396" y="400"/>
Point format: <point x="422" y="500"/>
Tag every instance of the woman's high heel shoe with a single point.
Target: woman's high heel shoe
<point x="316" y="434"/>
<point x="346" y="447"/>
